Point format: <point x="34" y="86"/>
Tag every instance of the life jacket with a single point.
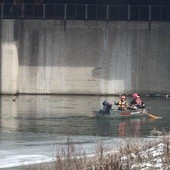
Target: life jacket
<point x="138" y="101"/>
<point x="122" y="104"/>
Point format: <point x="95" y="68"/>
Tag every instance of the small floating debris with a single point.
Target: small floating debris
<point x="167" y="95"/>
<point x="14" y="100"/>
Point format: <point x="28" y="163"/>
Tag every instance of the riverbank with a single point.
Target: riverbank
<point x="154" y="154"/>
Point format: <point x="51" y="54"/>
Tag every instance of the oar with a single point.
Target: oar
<point x="152" y="116"/>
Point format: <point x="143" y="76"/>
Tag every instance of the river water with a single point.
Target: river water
<point x="33" y="126"/>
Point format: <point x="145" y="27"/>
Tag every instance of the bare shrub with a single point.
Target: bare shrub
<point x="68" y="158"/>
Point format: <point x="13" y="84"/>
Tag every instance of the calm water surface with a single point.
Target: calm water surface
<point x="32" y="124"/>
<point x="72" y="115"/>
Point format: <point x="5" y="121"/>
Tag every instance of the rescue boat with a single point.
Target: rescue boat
<point x="119" y="114"/>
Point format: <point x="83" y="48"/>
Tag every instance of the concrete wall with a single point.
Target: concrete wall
<point x="8" y="58"/>
<point x="84" y="57"/>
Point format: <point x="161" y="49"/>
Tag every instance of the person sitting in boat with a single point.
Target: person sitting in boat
<point x="106" y="107"/>
<point x="122" y="104"/>
<point x="133" y="101"/>
<point x="139" y="103"/>
<point x="136" y="102"/>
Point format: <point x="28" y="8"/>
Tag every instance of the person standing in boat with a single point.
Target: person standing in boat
<point x="122" y="104"/>
<point x="106" y="107"/>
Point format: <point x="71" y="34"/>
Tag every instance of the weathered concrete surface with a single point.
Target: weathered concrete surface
<point x="84" y="57"/>
<point x="9" y="58"/>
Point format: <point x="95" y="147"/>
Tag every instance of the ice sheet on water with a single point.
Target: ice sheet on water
<point x="19" y="160"/>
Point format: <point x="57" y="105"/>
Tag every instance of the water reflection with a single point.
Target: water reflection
<point x="73" y="115"/>
<point x="121" y="128"/>
<point x="131" y="128"/>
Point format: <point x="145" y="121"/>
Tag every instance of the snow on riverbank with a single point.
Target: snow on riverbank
<point x="152" y="155"/>
<point x="155" y="157"/>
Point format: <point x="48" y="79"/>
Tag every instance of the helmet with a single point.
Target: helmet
<point x="134" y="95"/>
<point x="123" y="97"/>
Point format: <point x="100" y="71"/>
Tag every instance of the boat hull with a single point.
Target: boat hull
<point x="119" y="114"/>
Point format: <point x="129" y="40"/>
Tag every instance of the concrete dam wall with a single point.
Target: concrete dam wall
<point x="84" y="57"/>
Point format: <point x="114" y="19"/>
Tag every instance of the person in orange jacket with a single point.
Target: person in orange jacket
<point x="122" y="104"/>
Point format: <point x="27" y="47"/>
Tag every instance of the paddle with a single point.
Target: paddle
<point x="152" y="116"/>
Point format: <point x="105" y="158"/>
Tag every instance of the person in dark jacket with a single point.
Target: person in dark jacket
<point x="106" y="107"/>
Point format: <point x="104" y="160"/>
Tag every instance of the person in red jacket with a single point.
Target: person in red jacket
<point x="133" y="101"/>
<point x="136" y="102"/>
<point x="139" y="103"/>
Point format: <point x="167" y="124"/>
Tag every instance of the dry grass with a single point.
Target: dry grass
<point x="68" y="158"/>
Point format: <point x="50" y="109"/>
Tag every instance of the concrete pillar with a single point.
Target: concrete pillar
<point x="9" y="58"/>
